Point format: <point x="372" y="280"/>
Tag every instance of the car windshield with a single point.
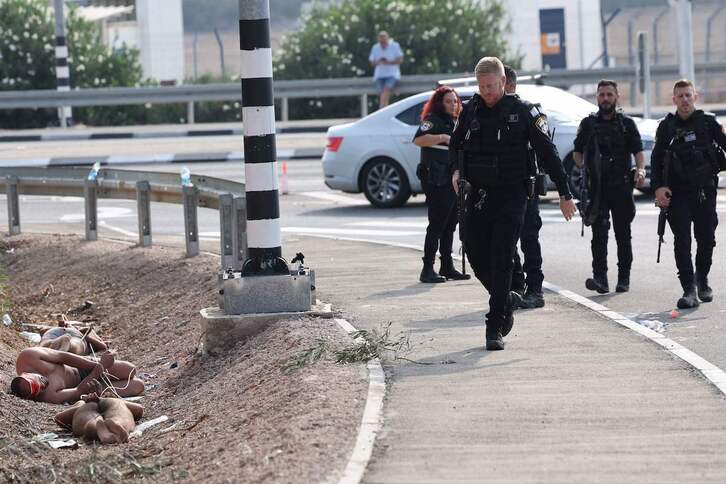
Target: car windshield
<point x="560" y="105"/>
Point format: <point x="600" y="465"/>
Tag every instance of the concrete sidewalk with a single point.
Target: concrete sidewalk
<point x="573" y="398"/>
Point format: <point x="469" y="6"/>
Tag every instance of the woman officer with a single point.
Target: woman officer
<point x="437" y="123"/>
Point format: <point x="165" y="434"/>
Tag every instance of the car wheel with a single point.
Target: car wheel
<point x="574" y="175"/>
<point x="384" y="183"/>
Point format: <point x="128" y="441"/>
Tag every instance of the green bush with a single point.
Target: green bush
<point x="27" y="51"/>
<point x="436" y="36"/>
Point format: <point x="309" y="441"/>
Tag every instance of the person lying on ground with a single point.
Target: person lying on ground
<point x="108" y="420"/>
<point x="51" y="376"/>
<point x="67" y="338"/>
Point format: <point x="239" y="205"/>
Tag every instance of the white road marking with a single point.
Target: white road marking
<point x="118" y="229"/>
<point x="710" y="371"/>
<point x="389" y="223"/>
<point x="333" y="197"/>
<point x="103" y="213"/>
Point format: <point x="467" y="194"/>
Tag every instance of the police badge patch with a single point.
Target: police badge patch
<point x="427" y="126"/>
<point x="541" y="124"/>
<point x="514" y="118"/>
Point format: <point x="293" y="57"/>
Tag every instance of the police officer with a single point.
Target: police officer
<point x="604" y="142"/>
<point x="437" y="123"/>
<point x="492" y="134"/>
<point x="685" y="163"/>
<point x="527" y="278"/>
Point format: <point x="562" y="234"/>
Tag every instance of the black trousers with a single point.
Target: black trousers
<point x="532" y="251"/>
<point x="689" y="206"/>
<point x="491" y="236"/>
<point x="618" y="200"/>
<point x="441" y="202"/>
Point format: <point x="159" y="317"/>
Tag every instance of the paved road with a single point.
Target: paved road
<point x="312" y="209"/>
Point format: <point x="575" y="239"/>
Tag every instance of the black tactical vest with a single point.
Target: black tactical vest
<point x="495" y="147"/>
<point x="693" y="162"/>
<point x="611" y="136"/>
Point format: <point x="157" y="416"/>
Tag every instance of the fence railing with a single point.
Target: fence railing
<point x="311" y="88"/>
<point x="145" y="187"/>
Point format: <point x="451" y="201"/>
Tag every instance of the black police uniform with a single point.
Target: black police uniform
<point x="527" y="277"/>
<point x="494" y="143"/>
<point x="695" y="146"/>
<point x="433" y="171"/>
<point x="617" y="139"/>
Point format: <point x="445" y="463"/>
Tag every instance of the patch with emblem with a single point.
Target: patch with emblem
<point x="541" y="124"/>
<point x="534" y="112"/>
<point x="427" y="126"/>
<point x="690" y="137"/>
<point x="514" y="118"/>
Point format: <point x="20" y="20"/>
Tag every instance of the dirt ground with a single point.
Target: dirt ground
<point x="237" y="417"/>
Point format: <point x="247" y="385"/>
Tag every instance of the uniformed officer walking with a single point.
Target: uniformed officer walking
<point x="527" y="277"/>
<point x="604" y="143"/>
<point x="492" y="136"/>
<point x="685" y="163"/>
<point x="437" y="122"/>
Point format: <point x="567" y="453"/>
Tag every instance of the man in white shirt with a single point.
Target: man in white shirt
<point x="386" y="56"/>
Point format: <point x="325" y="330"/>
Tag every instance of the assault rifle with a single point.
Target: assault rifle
<point x="663" y="215"/>
<point x="461" y="209"/>
<point x="584" y="196"/>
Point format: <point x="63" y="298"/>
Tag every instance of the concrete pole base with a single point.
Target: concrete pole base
<point x="221" y="331"/>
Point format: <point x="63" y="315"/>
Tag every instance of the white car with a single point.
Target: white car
<point x="376" y="155"/>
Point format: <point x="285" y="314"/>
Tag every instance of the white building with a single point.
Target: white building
<point x="157" y="31"/>
<point x="556" y="33"/>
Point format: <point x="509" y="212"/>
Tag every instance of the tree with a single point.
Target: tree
<point x="437" y="36"/>
<point x="27" y="61"/>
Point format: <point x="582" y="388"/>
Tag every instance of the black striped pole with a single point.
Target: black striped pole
<point x="62" y="72"/>
<point x="258" y="118"/>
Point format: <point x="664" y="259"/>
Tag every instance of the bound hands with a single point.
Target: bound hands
<point x="663" y="197"/>
<point x="568" y="208"/>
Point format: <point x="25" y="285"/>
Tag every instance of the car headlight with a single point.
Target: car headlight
<point x="648" y="144"/>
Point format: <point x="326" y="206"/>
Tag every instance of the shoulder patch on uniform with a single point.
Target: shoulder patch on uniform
<point x="534" y="112"/>
<point x="541" y="123"/>
<point x="427" y="125"/>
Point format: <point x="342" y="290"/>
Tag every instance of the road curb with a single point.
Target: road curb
<point x="371" y="422"/>
<point x="289" y="154"/>
<point x="91" y="135"/>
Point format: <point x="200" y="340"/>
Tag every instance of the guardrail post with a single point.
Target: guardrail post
<point x="143" y="203"/>
<point x="226" y="237"/>
<point x="13" y="205"/>
<point x="239" y="229"/>
<point x="190" y="112"/>
<point x="363" y="105"/>
<point x="285" y="108"/>
<point x="91" y="201"/>
<point x="191" y="226"/>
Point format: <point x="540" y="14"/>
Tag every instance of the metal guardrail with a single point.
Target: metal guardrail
<point x="224" y="195"/>
<point x="311" y="88"/>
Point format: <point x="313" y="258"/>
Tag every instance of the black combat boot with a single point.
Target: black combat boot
<point x="689" y="299"/>
<point x="428" y="274"/>
<point x="447" y="270"/>
<point x="599" y="283"/>
<point x="531" y="299"/>
<point x="494" y="337"/>
<point x="623" y="281"/>
<point x="705" y="293"/>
